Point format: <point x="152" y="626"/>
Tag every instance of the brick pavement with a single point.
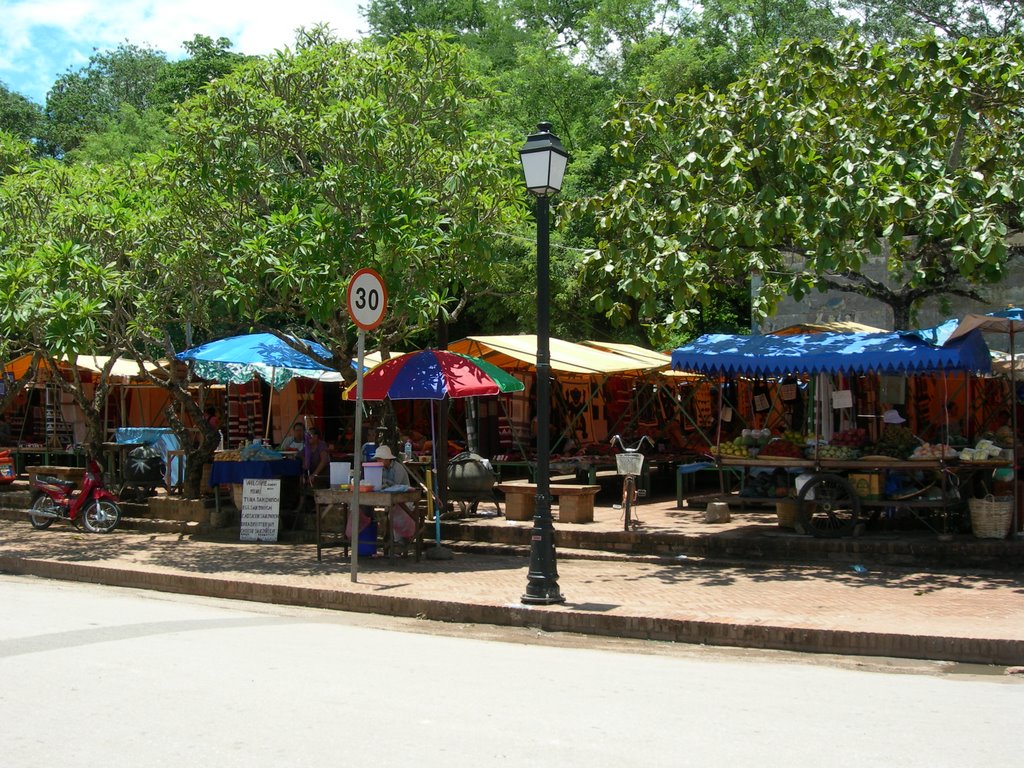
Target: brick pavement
<point x="834" y="609"/>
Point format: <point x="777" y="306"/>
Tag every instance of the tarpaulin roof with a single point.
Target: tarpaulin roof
<point x="646" y="356"/>
<point x="520" y="353"/>
<point x="829" y="353"/>
<point x="123" y="368"/>
<point x="833" y="326"/>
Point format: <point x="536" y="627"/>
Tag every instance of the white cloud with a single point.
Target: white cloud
<point x="39" y="39"/>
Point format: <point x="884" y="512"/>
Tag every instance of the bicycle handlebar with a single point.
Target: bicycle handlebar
<point x="637" y="447"/>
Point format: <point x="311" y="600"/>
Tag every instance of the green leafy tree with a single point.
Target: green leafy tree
<point x="207" y="60"/>
<point x="895" y="19"/>
<point x="799" y="172"/>
<point x="83" y="101"/>
<point x="67" y="238"/>
<point x="99" y="259"/>
<point x="19" y="116"/>
<point x="336" y="156"/>
<point x="13" y="153"/>
<point x="127" y="134"/>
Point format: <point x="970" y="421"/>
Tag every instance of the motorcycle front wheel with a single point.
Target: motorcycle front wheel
<point x="101" y="516"/>
<point x="40" y="503"/>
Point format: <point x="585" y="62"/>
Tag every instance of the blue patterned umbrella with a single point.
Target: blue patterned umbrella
<point x="236" y="360"/>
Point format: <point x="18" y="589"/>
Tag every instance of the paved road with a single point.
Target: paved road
<point x="100" y="676"/>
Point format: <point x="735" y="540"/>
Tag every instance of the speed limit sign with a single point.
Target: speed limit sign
<point x="367" y="299"/>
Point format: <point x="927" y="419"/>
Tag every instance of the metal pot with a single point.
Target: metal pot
<point x="467" y="473"/>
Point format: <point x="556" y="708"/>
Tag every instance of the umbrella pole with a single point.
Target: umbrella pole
<point x="1014" y="526"/>
<point x="433" y="442"/>
<point x="270" y="406"/>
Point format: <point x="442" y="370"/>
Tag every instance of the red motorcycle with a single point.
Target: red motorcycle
<point x="96" y="507"/>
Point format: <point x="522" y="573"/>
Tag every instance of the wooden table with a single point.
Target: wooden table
<point x="329" y="498"/>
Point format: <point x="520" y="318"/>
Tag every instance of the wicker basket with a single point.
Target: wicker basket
<point x="786" y="511"/>
<point x="631" y="463"/>
<point x="990" y="517"/>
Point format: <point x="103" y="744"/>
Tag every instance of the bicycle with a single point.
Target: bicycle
<point x="629" y="465"/>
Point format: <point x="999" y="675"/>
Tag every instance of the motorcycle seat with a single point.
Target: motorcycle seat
<point x="67" y="485"/>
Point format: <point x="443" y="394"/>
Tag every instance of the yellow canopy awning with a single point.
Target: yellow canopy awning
<point x="513" y="353"/>
<point x="123" y="368"/>
<point x="648" y="357"/>
<point x="837" y="326"/>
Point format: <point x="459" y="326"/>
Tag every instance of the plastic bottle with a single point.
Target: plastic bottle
<point x="408" y="450"/>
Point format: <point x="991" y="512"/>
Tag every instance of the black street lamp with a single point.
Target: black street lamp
<point x="544" y="161"/>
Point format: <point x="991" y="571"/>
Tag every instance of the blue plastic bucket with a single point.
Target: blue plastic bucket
<point x="368" y="540"/>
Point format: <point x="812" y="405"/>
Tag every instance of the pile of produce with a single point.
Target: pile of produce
<point x="754" y="438"/>
<point x="781" y="448"/>
<point x="896" y="441"/>
<point x="736" y="449"/>
<point x="832" y="452"/>
<point x="985" y="450"/>
<point x="850" y="438"/>
<point x="930" y="451"/>
<point x="797" y="438"/>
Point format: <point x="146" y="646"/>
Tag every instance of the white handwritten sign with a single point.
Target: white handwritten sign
<point x="261" y="510"/>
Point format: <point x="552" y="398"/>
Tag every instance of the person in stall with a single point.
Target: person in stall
<point x="316" y="460"/>
<point x="296" y="439"/>
<point x="403" y="526"/>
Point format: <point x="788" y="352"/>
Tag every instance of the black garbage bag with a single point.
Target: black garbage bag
<point x="145" y="464"/>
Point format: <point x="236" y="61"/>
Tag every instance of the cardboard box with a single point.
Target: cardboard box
<point x="867" y="486"/>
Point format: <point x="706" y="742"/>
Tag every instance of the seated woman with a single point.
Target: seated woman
<point x="316" y="460"/>
<point x="403" y="526"/>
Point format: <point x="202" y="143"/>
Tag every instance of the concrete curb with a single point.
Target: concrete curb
<point x="555" y="619"/>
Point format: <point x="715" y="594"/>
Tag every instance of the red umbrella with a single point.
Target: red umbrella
<point x="434" y="374"/>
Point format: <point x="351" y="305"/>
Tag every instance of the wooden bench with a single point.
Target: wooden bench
<point x="575" y="502"/>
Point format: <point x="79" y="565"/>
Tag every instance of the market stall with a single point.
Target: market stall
<point x="581" y="396"/>
<point x="838" y="479"/>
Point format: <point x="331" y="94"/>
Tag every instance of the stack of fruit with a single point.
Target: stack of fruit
<point x="781" y="448"/>
<point x="833" y="452"/>
<point x="930" y="451"/>
<point x="797" y="438"/>
<point x="755" y="438"/>
<point x="851" y="438"/>
<point x="896" y="441"/>
<point x="736" y="449"/>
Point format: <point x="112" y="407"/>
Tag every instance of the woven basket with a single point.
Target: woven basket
<point x="786" y="511"/>
<point x="990" y="518"/>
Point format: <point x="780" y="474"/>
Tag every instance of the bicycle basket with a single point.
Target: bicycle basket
<point x="629" y="463"/>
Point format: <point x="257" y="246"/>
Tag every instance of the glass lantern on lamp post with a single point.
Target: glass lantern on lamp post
<point x="544" y="162"/>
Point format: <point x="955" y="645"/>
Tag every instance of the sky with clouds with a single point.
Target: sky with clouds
<point x="41" y="39"/>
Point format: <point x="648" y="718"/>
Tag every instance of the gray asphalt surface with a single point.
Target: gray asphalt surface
<point x="99" y="676"/>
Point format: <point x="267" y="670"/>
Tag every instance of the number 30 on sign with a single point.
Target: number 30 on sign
<point x="367" y="299"/>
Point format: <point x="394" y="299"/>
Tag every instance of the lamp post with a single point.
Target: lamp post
<point x="544" y="161"/>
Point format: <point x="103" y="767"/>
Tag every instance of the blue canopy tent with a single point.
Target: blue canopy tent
<point x="830" y="353"/>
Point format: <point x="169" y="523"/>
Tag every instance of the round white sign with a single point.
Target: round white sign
<point x="367" y="299"/>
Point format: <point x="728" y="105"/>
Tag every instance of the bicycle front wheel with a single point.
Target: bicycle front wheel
<point x="628" y="500"/>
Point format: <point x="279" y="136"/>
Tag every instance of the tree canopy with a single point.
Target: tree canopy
<point x="799" y="171"/>
<point x="335" y="156"/>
